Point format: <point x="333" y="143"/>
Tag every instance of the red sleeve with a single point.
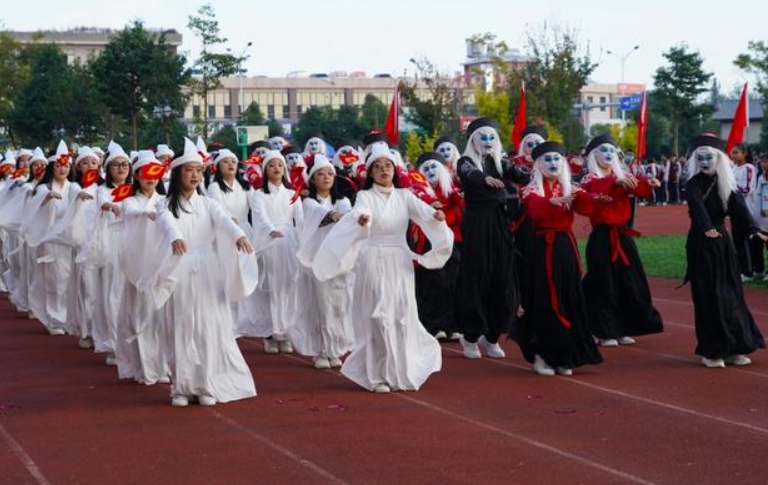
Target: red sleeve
<point x="584" y="202"/>
<point x="643" y="190"/>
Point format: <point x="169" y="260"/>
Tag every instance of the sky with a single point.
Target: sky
<point x="381" y="37"/>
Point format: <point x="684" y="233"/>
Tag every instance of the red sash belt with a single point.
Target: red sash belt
<point x="549" y="238"/>
<point x="616" y="250"/>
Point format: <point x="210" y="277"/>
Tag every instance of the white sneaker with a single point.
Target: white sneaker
<point x="494" y="351"/>
<point x="286" y="347"/>
<point x="441" y="335"/>
<point x="322" y="363"/>
<point x="111" y="360"/>
<point x="32" y="316"/>
<point x="745" y="278"/>
<point x="565" y="371"/>
<point x="610" y="342"/>
<point x="179" y="401"/>
<point x="765" y="278"/>
<point x="541" y="367"/>
<point x="335" y="362"/>
<point x="455" y="336"/>
<point x="713" y="363"/>
<point x="270" y="346"/>
<point x="626" y="341"/>
<point x="471" y="350"/>
<point x="56" y="331"/>
<point x="737" y="359"/>
<point x="85" y="343"/>
<point x="382" y="389"/>
<point x="206" y="401"/>
<point x="164" y="380"/>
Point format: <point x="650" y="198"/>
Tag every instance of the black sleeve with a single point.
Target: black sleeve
<point x="515" y="173"/>
<point x="696" y="207"/>
<point x="470" y="175"/>
<point x="741" y="217"/>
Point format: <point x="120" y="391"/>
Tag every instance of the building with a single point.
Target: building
<point x="481" y="65"/>
<point x="84" y="43"/>
<point x="724" y="117"/>
<point x="601" y="102"/>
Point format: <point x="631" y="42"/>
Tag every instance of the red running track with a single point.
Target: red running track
<point x="649" y="415"/>
<point x="649" y="220"/>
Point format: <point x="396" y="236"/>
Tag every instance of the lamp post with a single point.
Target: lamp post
<point x="163" y="113"/>
<point x="241" y="73"/>
<point x="623" y="61"/>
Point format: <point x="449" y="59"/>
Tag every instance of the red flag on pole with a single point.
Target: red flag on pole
<point x="393" y="123"/>
<point x="642" y="128"/>
<point x="520" y="119"/>
<point x="740" y="122"/>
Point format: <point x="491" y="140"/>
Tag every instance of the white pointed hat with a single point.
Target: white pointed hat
<point x="85" y="152"/>
<point x="115" y="151"/>
<point x="190" y="155"/>
<point x="164" y="150"/>
<point x="38" y="156"/>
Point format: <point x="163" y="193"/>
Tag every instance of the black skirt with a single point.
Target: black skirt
<point x="618" y="297"/>
<point x="435" y="289"/>
<point x="724" y="324"/>
<point x="540" y="330"/>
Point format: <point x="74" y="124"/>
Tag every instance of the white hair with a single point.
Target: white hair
<point x="521" y="145"/>
<point x="444" y="178"/>
<point x="322" y="146"/>
<point x="564" y="177"/>
<point x="726" y="182"/>
<point x="594" y="167"/>
<point x="477" y="158"/>
<point x="454" y="153"/>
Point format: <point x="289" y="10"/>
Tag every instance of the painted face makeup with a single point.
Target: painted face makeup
<point x="530" y="142"/>
<point x="706" y="160"/>
<point x="606" y="154"/>
<point x="430" y="170"/>
<point x="446" y="150"/>
<point x="550" y="164"/>
<point x="485" y="141"/>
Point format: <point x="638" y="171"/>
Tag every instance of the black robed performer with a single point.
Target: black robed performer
<point x="486" y="293"/>
<point x="725" y="328"/>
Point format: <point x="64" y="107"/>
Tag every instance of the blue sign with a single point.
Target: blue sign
<point x="631" y="102"/>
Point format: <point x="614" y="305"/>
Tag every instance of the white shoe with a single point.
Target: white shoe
<point x="471" y="350"/>
<point x="745" y="278"/>
<point x="270" y="346"/>
<point x="541" y="367"/>
<point x="85" y="343"/>
<point x="737" y="359"/>
<point x="32" y="316"/>
<point x="455" y="336"/>
<point x="626" y="341"/>
<point x="565" y="371"/>
<point x="610" y="342"/>
<point x="164" y="380"/>
<point x="441" y="335"/>
<point x="382" y="389"/>
<point x="179" y="401"/>
<point x="111" y="360"/>
<point x="494" y="351"/>
<point x="765" y="278"/>
<point x="322" y="363"/>
<point x="335" y="362"/>
<point x="286" y="347"/>
<point x="713" y="363"/>
<point x="206" y="401"/>
<point x="56" y="331"/>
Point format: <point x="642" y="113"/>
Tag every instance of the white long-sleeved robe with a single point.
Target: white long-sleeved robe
<point x="391" y="345"/>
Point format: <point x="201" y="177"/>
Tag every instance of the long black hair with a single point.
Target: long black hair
<point x="265" y="179"/>
<point x="47" y="179"/>
<point x="108" y="176"/>
<point x="335" y="193"/>
<point x="218" y="179"/>
<point x="369" y="177"/>
<point x="174" y="192"/>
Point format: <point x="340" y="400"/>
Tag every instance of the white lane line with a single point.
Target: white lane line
<point x="281" y="449"/>
<point x="501" y="431"/>
<point x="23" y="457"/>
<point x="646" y="400"/>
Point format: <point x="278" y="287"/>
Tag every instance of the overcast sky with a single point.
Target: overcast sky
<point x="329" y="35"/>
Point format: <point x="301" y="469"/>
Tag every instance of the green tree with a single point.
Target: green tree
<point x="755" y="62"/>
<point x="496" y="106"/>
<point x="227" y="136"/>
<point x="373" y="113"/>
<point x="14" y="74"/>
<point x="432" y="100"/>
<point x="275" y="128"/>
<point x="413" y="146"/>
<point x="252" y="115"/>
<point x="137" y="72"/>
<point x="212" y="66"/>
<point x="312" y="120"/>
<point x="679" y="85"/>
<point x="153" y="132"/>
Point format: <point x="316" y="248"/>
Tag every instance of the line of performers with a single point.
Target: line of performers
<point x="161" y="261"/>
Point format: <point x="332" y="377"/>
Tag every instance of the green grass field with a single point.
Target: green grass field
<point x="663" y="257"/>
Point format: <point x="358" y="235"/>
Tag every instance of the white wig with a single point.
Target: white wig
<point x="476" y="157"/>
<point x="726" y="182"/>
<point x="444" y="177"/>
<point x="597" y="171"/>
<point x="521" y="145"/>
<point x="317" y="139"/>
<point x="564" y="177"/>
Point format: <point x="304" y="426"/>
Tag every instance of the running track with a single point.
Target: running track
<point x="649" y="415"/>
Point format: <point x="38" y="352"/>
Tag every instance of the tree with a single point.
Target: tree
<point x="153" y="132"/>
<point x="14" y="74"/>
<point x="138" y="71"/>
<point x="252" y="115"/>
<point x="275" y="128"/>
<point x="437" y="109"/>
<point x="373" y="113"/>
<point x="755" y="62"/>
<point x="227" y="136"/>
<point x="496" y="106"/>
<point x="678" y="88"/>
<point x="211" y="65"/>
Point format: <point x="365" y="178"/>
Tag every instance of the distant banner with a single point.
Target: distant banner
<point x="626" y="89"/>
<point x="464" y="122"/>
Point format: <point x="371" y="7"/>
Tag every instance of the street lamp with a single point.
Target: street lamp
<point x="163" y="113"/>
<point x="623" y="58"/>
<point x="241" y="73"/>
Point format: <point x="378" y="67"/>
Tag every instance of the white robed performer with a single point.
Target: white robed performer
<point x="196" y="276"/>
<point x="325" y="329"/>
<point x="276" y="215"/>
<point x="142" y="329"/>
<point x="392" y="349"/>
<point x="12" y="200"/>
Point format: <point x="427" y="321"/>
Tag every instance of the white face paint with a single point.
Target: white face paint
<point x="606" y="154"/>
<point x="447" y="150"/>
<point x="294" y="159"/>
<point x="484" y="140"/>
<point x="314" y="146"/>
<point x="550" y="164"/>
<point x="530" y="142"/>
<point x="261" y="151"/>
<point x="706" y="158"/>
<point x="430" y="170"/>
<point x="278" y="143"/>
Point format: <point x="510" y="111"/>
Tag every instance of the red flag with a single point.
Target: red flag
<point x="642" y="128"/>
<point x="393" y="123"/>
<point x="520" y="119"/>
<point x="740" y="122"/>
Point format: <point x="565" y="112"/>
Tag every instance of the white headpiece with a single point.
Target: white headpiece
<point x="190" y="155"/>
